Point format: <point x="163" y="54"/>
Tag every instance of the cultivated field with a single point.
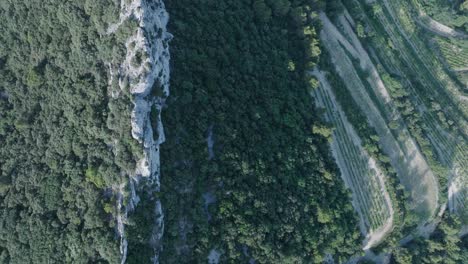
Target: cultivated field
<point x="370" y="94"/>
<point x="401" y="44"/>
<point x="358" y="170"/>
<point x="433" y="83"/>
<point x="455" y="53"/>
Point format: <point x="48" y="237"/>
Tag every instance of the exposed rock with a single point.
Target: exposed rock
<point x="146" y="62"/>
<point x="210" y="143"/>
<point x="213" y="257"/>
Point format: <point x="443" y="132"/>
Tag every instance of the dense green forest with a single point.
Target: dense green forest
<point x="268" y="189"/>
<point x="443" y="246"/>
<point x="239" y="75"/>
<point x="64" y="142"/>
<point x="247" y="174"/>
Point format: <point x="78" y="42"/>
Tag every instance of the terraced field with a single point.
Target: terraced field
<point x="371" y="95"/>
<point x="358" y="170"/>
<point x="438" y="99"/>
<point x="407" y="38"/>
<point x="455" y="52"/>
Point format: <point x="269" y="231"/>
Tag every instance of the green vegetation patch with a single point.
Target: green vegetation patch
<point x="64" y="142"/>
<point x="238" y="67"/>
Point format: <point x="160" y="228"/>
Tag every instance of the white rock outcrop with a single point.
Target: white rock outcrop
<point x="144" y="69"/>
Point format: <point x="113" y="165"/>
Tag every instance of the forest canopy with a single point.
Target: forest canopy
<point x="64" y="143"/>
<point x="247" y="173"/>
<point x="269" y="190"/>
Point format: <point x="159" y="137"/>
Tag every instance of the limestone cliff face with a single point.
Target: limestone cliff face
<point x="145" y="73"/>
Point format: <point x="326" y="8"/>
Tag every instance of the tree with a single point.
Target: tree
<point x="280" y="7"/>
<point x="360" y="30"/>
<point x="262" y="11"/>
<point x="323" y="130"/>
<point x="464" y="6"/>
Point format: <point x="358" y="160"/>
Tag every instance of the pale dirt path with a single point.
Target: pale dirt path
<point x="444" y="80"/>
<point x="366" y="62"/>
<point x="460" y="160"/>
<point x="459" y="175"/>
<point x="438" y="28"/>
<point x="373" y="237"/>
<point x="411" y="166"/>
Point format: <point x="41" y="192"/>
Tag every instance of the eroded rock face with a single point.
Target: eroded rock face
<point x="146" y="67"/>
<point x="145" y="73"/>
